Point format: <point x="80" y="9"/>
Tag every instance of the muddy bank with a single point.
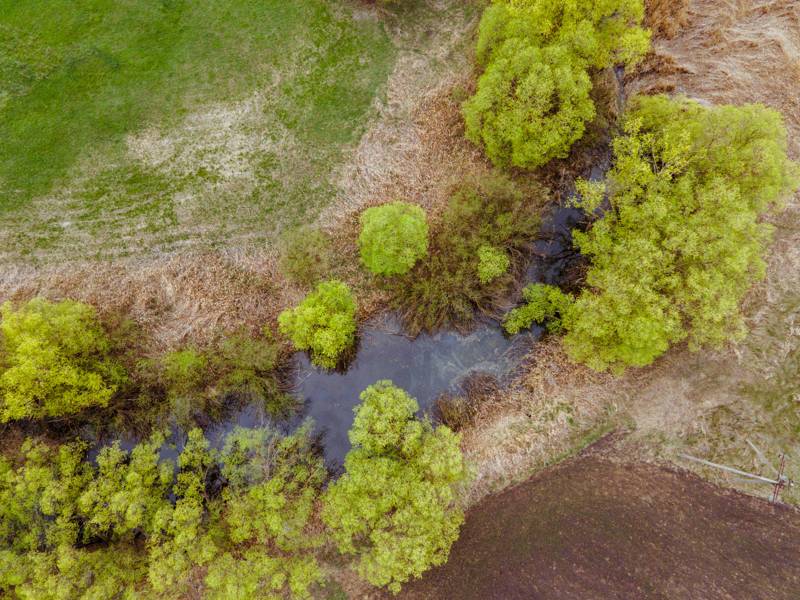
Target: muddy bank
<point x="594" y="528"/>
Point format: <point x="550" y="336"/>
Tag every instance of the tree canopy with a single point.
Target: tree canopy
<point x="396" y="506"/>
<point x="393" y="237"/>
<point x="324" y="323"/>
<point x="54" y="360"/>
<point x="683" y="238"/>
<point x="532" y="100"/>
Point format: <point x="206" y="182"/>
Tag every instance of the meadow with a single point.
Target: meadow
<point x="145" y="125"/>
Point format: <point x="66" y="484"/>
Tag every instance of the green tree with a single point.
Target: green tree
<point x="396" y="504"/>
<point x="532" y="100"/>
<point x="54" y="360"/>
<point x="492" y="263"/>
<point x="530" y="106"/>
<point x="683" y="239"/>
<point x="599" y="32"/>
<point x="273" y="485"/>
<point x="393" y="237"/>
<point x="324" y="323"/>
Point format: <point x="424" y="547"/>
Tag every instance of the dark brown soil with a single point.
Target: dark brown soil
<point x="592" y="528"/>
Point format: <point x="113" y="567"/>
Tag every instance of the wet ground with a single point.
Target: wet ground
<point x="592" y="528"/>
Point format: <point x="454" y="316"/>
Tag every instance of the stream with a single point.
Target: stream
<point x="426" y="366"/>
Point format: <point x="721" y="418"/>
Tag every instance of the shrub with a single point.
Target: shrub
<point x="544" y="304"/>
<point x="600" y="32"/>
<point x="55" y="360"/>
<point x="683" y="239"/>
<point x="396" y="503"/>
<point x="305" y="255"/>
<point x="492" y="263"/>
<point x="393" y="237"/>
<point x="189" y="382"/>
<point x="458" y="411"/>
<point x="324" y="323"/>
<point x="445" y="287"/>
<point x="532" y="100"/>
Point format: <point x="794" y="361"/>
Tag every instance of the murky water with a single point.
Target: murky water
<point x="425" y="366"/>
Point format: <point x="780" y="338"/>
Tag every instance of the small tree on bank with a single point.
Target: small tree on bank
<point x="323" y="324"/>
<point x="393" y="237"/>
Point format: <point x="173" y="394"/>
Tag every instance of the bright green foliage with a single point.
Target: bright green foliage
<point x="305" y="255"/>
<point x="492" y="263"/>
<point x="259" y="576"/>
<point x="396" y="504"/>
<point x="40" y="525"/>
<point x="324" y="323"/>
<point x="683" y="240"/>
<point x="393" y="237"/>
<point x="54" y="360"/>
<point x="184" y="370"/>
<point x="532" y="100"/>
<point x="273" y="484"/>
<point x="600" y="32"/>
<point x="68" y="573"/>
<point x="445" y="287"/>
<point x="180" y="539"/>
<point x="530" y="106"/>
<point x="544" y="304"/>
<point x="128" y="492"/>
<point x="131" y="528"/>
<point x="38" y="497"/>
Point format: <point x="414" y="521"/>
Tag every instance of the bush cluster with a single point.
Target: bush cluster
<point x="543" y="304"/>
<point x="189" y="382"/>
<point x="130" y="527"/>
<point x="324" y="323"/>
<point x="532" y="100"/>
<point x="492" y="263"/>
<point x="445" y="288"/>
<point x="133" y="524"/>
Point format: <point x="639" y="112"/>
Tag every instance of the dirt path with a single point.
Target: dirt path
<point x="594" y="528"/>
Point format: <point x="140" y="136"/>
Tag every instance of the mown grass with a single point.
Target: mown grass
<point x="77" y="78"/>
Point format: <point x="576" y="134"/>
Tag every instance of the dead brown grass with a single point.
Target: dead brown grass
<point x="665" y="18"/>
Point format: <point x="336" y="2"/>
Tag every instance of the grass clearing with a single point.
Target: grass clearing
<point x="133" y="124"/>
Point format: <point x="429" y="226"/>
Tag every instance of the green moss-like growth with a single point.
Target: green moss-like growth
<point x="395" y="506"/>
<point x="532" y="100"/>
<point x="305" y="255"/>
<point x="54" y="360"/>
<point x="393" y="237"/>
<point x="683" y="239"/>
<point x="324" y="323"/>
<point x="492" y="263"/>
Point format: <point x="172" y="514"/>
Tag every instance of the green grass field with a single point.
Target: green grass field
<point x="127" y="124"/>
